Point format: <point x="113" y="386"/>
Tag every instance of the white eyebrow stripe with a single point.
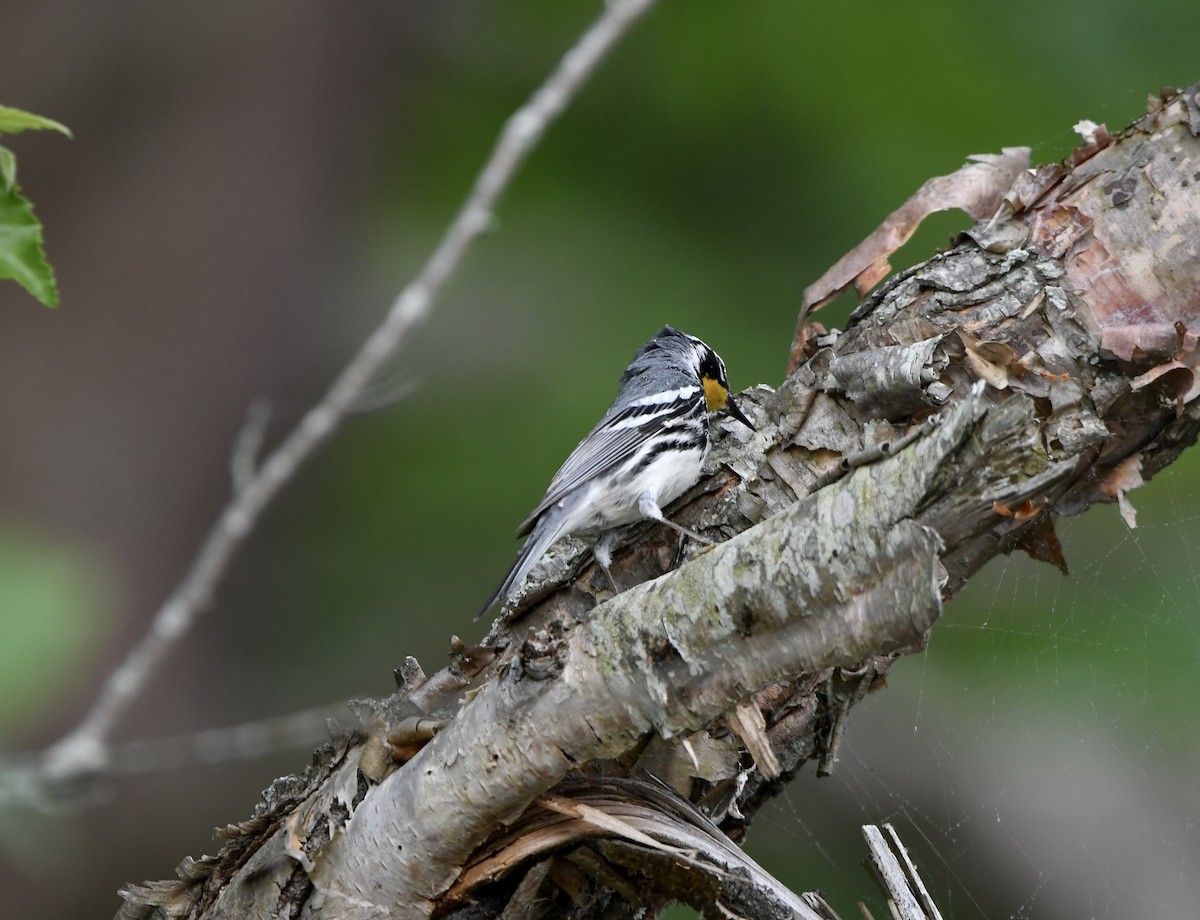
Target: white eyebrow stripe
<point x="667" y="396"/>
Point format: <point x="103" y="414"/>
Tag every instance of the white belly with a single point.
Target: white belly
<point x="609" y="504"/>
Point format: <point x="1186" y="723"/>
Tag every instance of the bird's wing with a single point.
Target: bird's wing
<point x="616" y="438"/>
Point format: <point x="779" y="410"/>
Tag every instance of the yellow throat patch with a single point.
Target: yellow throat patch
<point x="715" y="395"/>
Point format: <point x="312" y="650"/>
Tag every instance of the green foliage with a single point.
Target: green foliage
<point x="22" y="255"/>
<point x="52" y="596"/>
<point x="14" y="121"/>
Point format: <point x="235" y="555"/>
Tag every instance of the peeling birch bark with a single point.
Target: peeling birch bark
<point x="893" y="381"/>
<point x="1076" y="311"/>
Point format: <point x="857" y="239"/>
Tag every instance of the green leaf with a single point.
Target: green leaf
<point x="22" y="257"/>
<point x="13" y="121"/>
<point x="8" y="169"/>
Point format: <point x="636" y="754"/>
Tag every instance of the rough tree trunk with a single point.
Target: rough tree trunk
<point x="1047" y="362"/>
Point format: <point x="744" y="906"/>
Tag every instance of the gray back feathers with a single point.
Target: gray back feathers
<point x="668" y="361"/>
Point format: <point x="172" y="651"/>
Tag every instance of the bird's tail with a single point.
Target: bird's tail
<point x="545" y="532"/>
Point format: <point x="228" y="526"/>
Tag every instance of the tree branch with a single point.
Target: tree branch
<point x="1060" y="334"/>
<point x="84" y="751"/>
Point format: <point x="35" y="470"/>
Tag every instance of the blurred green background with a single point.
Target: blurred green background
<point x="250" y="184"/>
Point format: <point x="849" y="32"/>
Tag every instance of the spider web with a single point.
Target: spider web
<point x="1040" y="759"/>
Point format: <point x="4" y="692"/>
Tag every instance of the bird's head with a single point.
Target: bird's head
<point x="709" y="369"/>
<point x="716" y="385"/>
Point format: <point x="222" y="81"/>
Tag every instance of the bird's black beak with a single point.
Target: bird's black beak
<point x="732" y="409"/>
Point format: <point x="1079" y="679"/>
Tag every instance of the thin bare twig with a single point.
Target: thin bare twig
<point x="246" y="741"/>
<point x="914" y="877"/>
<point x="22" y="779"/>
<point x="248" y="444"/>
<point x="907" y="895"/>
<point x="85" y="749"/>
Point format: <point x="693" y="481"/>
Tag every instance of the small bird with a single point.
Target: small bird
<point x="646" y="451"/>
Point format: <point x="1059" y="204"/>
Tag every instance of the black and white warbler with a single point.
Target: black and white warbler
<point x="646" y="451"/>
